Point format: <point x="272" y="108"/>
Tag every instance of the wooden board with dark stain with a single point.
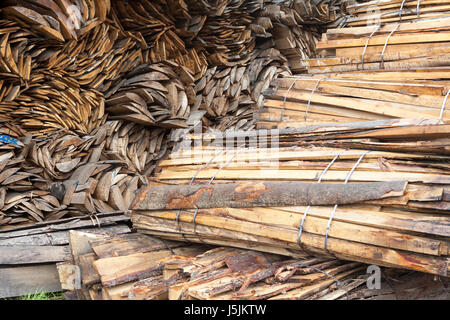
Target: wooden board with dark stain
<point x="262" y="194"/>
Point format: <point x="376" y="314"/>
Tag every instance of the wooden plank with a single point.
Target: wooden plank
<point x="119" y="270"/>
<point x="89" y="275"/>
<point x="363" y="253"/>
<point x="59" y="237"/>
<point x="14" y="255"/>
<point x="262" y="194"/>
<point x="123" y="245"/>
<point x="381" y="39"/>
<point x="19" y="281"/>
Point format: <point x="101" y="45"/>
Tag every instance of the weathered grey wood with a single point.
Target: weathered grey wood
<point x="33" y="254"/>
<point x="18" y="281"/>
<point x="70" y="225"/>
<point x="262" y="194"/>
<point x="60" y="237"/>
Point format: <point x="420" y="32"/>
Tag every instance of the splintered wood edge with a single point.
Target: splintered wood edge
<point x="140" y="196"/>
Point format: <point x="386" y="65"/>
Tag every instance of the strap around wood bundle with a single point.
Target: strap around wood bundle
<point x="367" y="43"/>
<point x="210" y="182"/>
<point x="418" y="9"/>
<point x="443" y="106"/>
<point x="284" y="100"/>
<point x="385" y="44"/>
<point x="335" y="207"/>
<point x="400" y="12"/>
<point x="300" y="231"/>
<point x="93" y="221"/>
<point x="190" y="183"/>
<point x="310" y="97"/>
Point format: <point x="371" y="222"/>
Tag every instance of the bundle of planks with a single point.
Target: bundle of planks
<point x="418" y="45"/>
<point x="307" y="100"/>
<point x="269" y="198"/>
<point x="296" y="26"/>
<point x="363" y="73"/>
<point x="28" y="251"/>
<point x="45" y="179"/>
<point x="393" y="11"/>
<point x="140" y="267"/>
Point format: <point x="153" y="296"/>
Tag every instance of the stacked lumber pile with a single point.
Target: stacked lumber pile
<point x="393" y="11"/>
<point x="308" y="100"/>
<point x="250" y="275"/>
<point x="368" y="72"/>
<point x="270" y="199"/>
<point x="96" y="88"/>
<point x="106" y="266"/>
<point x="419" y="45"/>
<point x="140" y="267"/>
<point x="28" y="251"/>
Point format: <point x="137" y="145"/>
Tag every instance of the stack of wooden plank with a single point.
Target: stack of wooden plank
<point x="393" y="11"/>
<point x="415" y="136"/>
<point x="408" y="229"/>
<point x="140" y="267"/>
<point x="295" y="27"/>
<point x="236" y="274"/>
<point x="307" y="100"/>
<point x="28" y="254"/>
<point x="417" y="45"/>
<point x="85" y="83"/>
<point x="250" y="275"/>
<point x="107" y="266"/>
<point x="381" y="71"/>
